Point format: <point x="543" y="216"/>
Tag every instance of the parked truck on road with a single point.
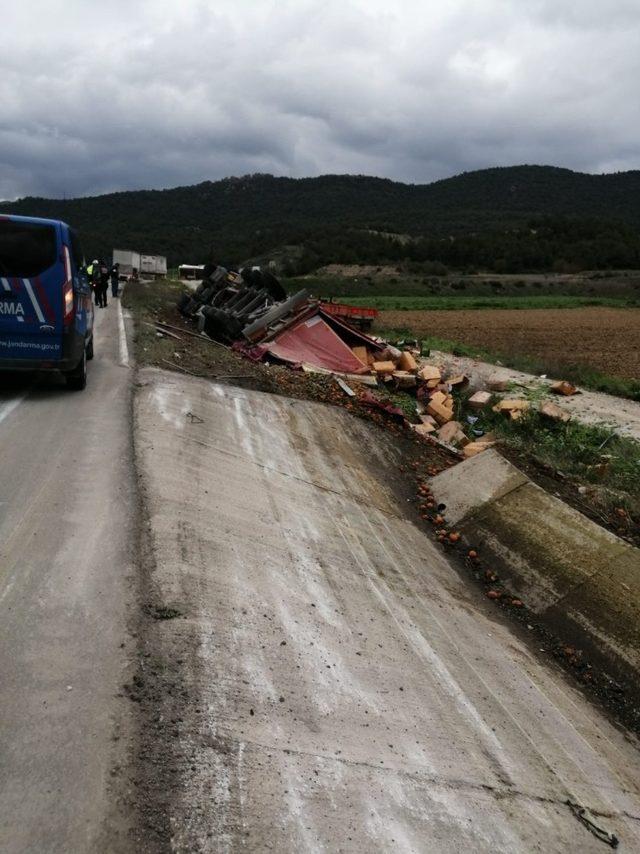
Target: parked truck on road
<point x="134" y="263"/>
<point x="153" y="265"/>
<point x="128" y="261"/>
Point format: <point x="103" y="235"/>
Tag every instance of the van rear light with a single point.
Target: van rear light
<point x="67" y="296"/>
<point x="67" y="289"/>
<point x="67" y="263"/>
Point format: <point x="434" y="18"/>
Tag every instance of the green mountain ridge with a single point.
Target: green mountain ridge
<point x="235" y="218"/>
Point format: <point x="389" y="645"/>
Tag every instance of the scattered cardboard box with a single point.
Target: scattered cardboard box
<point x="564" y="387"/>
<point x="384" y="367"/>
<point x="555" y="412"/>
<point x="459" y="380"/>
<point x="429" y="372"/>
<point x="423" y="429"/>
<point x="480" y="399"/>
<point x="512" y="405"/>
<point x="406" y="362"/>
<point x="441" y="413"/>
<point x="496" y="383"/>
<point x="452" y="434"/>
<point x="474" y="448"/>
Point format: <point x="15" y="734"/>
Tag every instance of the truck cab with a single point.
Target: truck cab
<point x="46" y="310"/>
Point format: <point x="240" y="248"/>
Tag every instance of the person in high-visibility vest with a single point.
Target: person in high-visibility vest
<point x="93" y="274"/>
<point x="90" y="277"/>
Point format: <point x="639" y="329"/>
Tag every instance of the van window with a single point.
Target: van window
<point x="76" y="250"/>
<point x="26" y="248"/>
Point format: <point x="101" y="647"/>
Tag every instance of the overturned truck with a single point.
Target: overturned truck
<point x="226" y="301"/>
<point x="251" y="310"/>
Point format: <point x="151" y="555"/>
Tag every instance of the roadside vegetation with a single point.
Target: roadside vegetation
<point x="589" y="466"/>
<point x="589" y="454"/>
<point x="387" y="287"/>
<point x="464" y="303"/>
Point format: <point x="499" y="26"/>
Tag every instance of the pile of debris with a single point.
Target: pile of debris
<point x="250" y="311"/>
<point x="450" y="418"/>
<point x="435" y="403"/>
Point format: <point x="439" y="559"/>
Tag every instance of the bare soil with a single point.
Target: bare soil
<point x="606" y="339"/>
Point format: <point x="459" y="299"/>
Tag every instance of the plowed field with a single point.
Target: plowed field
<point x="607" y="339"/>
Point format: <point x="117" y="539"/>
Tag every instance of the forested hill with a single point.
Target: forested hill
<point x="242" y="217"/>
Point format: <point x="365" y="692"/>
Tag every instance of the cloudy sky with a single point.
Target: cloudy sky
<point x="99" y="96"/>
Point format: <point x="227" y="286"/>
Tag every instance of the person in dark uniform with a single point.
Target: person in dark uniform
<point x="95" y="282"/>
<point x="104" y="281"/>
<point x="114" y="273"/>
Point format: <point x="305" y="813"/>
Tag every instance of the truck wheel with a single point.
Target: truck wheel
<point x="90" y="349"/>
<point x="77" y="378"/>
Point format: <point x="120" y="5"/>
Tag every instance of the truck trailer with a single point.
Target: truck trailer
<point x="133" y="263"/>
<point x="153" y="265"/>
<point x="128" y="261"/>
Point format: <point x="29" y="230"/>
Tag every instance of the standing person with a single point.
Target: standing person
<point x="115" y="279"/>
<point x="95" y="282"/>
<point x="104" y="281"/>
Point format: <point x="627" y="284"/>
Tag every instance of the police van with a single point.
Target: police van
<point x="46" y="311"/>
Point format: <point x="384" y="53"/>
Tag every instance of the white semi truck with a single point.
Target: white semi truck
<point x="133" y="263"/>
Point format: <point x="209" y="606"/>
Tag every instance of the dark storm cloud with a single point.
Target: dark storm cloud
<point x="104" y="96"/>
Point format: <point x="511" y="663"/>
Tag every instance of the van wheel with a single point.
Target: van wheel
<point x="77" y="378"/>
<point x="90" y="349"/>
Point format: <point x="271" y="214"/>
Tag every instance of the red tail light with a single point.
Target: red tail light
<point x="67" y="289"/>
<point x="67" y="295"/>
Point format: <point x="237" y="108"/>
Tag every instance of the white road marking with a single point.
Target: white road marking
<point x="34" y="301"/>
<point x="124" y="349"/>
<point x="8" y="406"/>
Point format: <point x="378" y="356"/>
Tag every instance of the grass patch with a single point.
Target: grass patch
<point x="402" y="285"/>
<point x="146" y="300"/>
<point x="588" y="453"/>
<point x="150" y="297"/>
<point x="462" y="303"/>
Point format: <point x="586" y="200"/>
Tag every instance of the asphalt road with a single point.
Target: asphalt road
<point x="328" y="682"/>
<point x="66" y="512"/>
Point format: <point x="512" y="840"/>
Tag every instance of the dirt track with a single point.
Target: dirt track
<point x="607" y="339"/>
